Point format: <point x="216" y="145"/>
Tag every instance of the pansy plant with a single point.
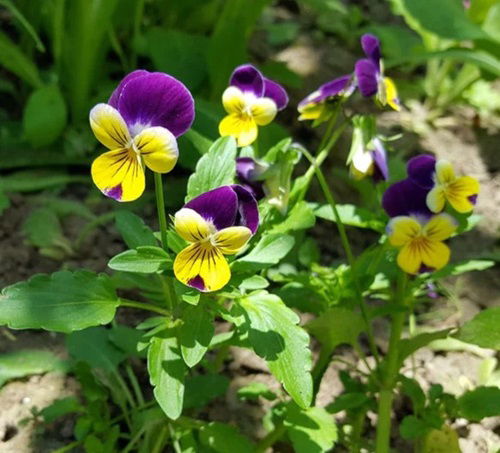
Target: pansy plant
<point x="216" y="223"/>
<point x="370" y="77"/>
<point x="139" y="125"/>
<point x="251" y="100"/>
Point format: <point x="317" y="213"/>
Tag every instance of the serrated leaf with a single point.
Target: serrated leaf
<point x="352" y="215"/>
<point x="274" y="334"/>
<point x="409" y="345"/>
<point x="480" y="403"/>
<point x="268" y="251"/>
<point x="167" y="372"/>
<point x="195" y="333"/>
<point x="26" y="362"/>
<point x="134" y="231"/>
<point x="482" y="330"/>
<point x="336" y="326"/>
<point x="63" y="302"/>
<point x="144" y="259"/>
<point x="44" y="117"/>
<point x="222" y="438"/>
<point x="216" y="168"/>
<point x="311" y="430"/>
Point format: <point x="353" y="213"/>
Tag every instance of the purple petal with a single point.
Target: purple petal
<point x="197" y="283"/>
<point x="156" y="99"/>
<point x="248" y="211"/>
<point x="367" y="77"/>
<point x="330" y="89"/>
<point x="473" y="199"/>
<point x="113" y="100"/>
<point x="248" y="78"/>
<point x="219" y="206"/>
<point x="245" y="168"/>
<point x="247" y="172"/>
<point x="115" y="192"/>
<point x="421" y="170"/>
<point x="379" y="154"/>
<point x="371" y="48"/>
<point x="405" y="198"/>
<point x="276" y="92"/>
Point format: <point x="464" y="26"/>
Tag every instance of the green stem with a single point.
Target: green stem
<point x="135" y="384"/>
<point x="143" y="306"/>
<point x="271" y="438"/>
<point x="160" y="205"/>
<point x="348" y="251"/>
<point x="390" y="372"/>
<point x="139" y="12"/>
<point x="160" y="441"/>
<point x="357" y="430"/>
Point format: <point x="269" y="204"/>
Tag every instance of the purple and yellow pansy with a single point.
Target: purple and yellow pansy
<point x="251" y="100"/>
<point x="319" y="104"/>
<point x="217" y="223"/>
<point x="418" y="227"/>
<point x="139" y="125"/>
<point x="370" y="77"/>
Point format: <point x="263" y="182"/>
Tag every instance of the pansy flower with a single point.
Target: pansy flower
<point x="443" y="185"/>
<point x="318" y="105"/>
<point x="251" y="100"/>
<point x="248" y="174"/>
<point x="420" y="241"/>
<point x="370" y="74"/>
<point x="217" y="223"/>
<point x="371" y="161"/>
<point x="139" y="125"/>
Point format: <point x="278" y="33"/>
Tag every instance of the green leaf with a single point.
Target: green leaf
<point x="444" y="440"/>
<point x="413" y="427"/>
<point x="195" y="333"/>
<point x="167" y="372"/>
<point x="352" y="215"/>
<point x="127" y="339"/>
<point x="94" y="347"/>
<point x="347" y="401"/>
<point x="144" y="259"/>
<point x="223" y="438"/>
<point x="254" y="390"/>
<point x="44" y="117"/>
<point x="134" y="231"/>
<point x="203" y="388"/>
<point x="254" y="282"/>
<point x="199" y="141"/>
<point x="271" y="249"/>
<point x="336" y="326"/>
<point x="60" y="408"/>
<point x="26" y="362"/>
<point x="410" y="345"/>
<point x="216" y="168"/>
<point x="35" y="180"/>
<point x="274" y="334"/>
<point x="482" y="330"/>
<point x="462" y="267"/>
<point x="480" y="403"/>
<point x="14" y="60"/>
<point x="300" y="217"/>
<point x="63" y="302"/>
<point x="311" y="430"/>
<point x="448" y="21"/>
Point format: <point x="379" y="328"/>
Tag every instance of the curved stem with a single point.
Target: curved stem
<point x="348" y="251"/>
<point x="143" y="306"/>
<point x="390" y="371"/>
<point x="271" y="438"/>
<point x="160" y="205"/>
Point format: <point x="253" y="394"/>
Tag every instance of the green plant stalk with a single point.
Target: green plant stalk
<point x="143" y="306"/>
<point x="160" y="441"/>
<point x="271" y="438"/>
<point x="390" y="371"/>
<point x="160" y="205"/>
<point x="138" y="14"/>
<point x="135" y="384"/>
<point x="348" y="251"/>
<point x="357" y="429"/>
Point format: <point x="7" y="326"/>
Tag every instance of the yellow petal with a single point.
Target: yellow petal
<point x="158" y="148"/>
<point x="436" y="199"/>
<point x="402" y="230"/>
<point x="435" y="254"/>
<point x="202" y="266"/>
<point x="444" y="172"/>
<point x="241" y="127"/>
<point x="440" y="227"/>
<point x="311" y="111"/>
<point x="231" y="240"/>
<point x="409" y="258"/>
<point x="109" y="127"/>
<point x="391" y="94"/>
<point x="263" y="110"/>
<point x="191" y="226"/>
<point x="119" y="174"/>
<point x="233" y="100"/>
<point x="459" y="191"/>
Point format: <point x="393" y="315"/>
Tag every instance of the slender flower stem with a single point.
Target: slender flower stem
<point x="390" y="371"/>
<point x="143" y="306"/>
<point x="348" y="251"/>
<point x="160" y="205"/>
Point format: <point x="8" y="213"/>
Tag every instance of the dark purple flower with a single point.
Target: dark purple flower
<point x="405" y="198"/>
<point x="421" y="170"/>
<point x="248" y="172"/>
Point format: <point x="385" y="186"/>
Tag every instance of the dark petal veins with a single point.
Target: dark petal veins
<point x="248" y="78"/>
<point x="421" y="170"/>
<point x="219" y="206"/>
<point x="367" y="76"/>
<point x="113" y="100"/>
<point x="405" y="198"/>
